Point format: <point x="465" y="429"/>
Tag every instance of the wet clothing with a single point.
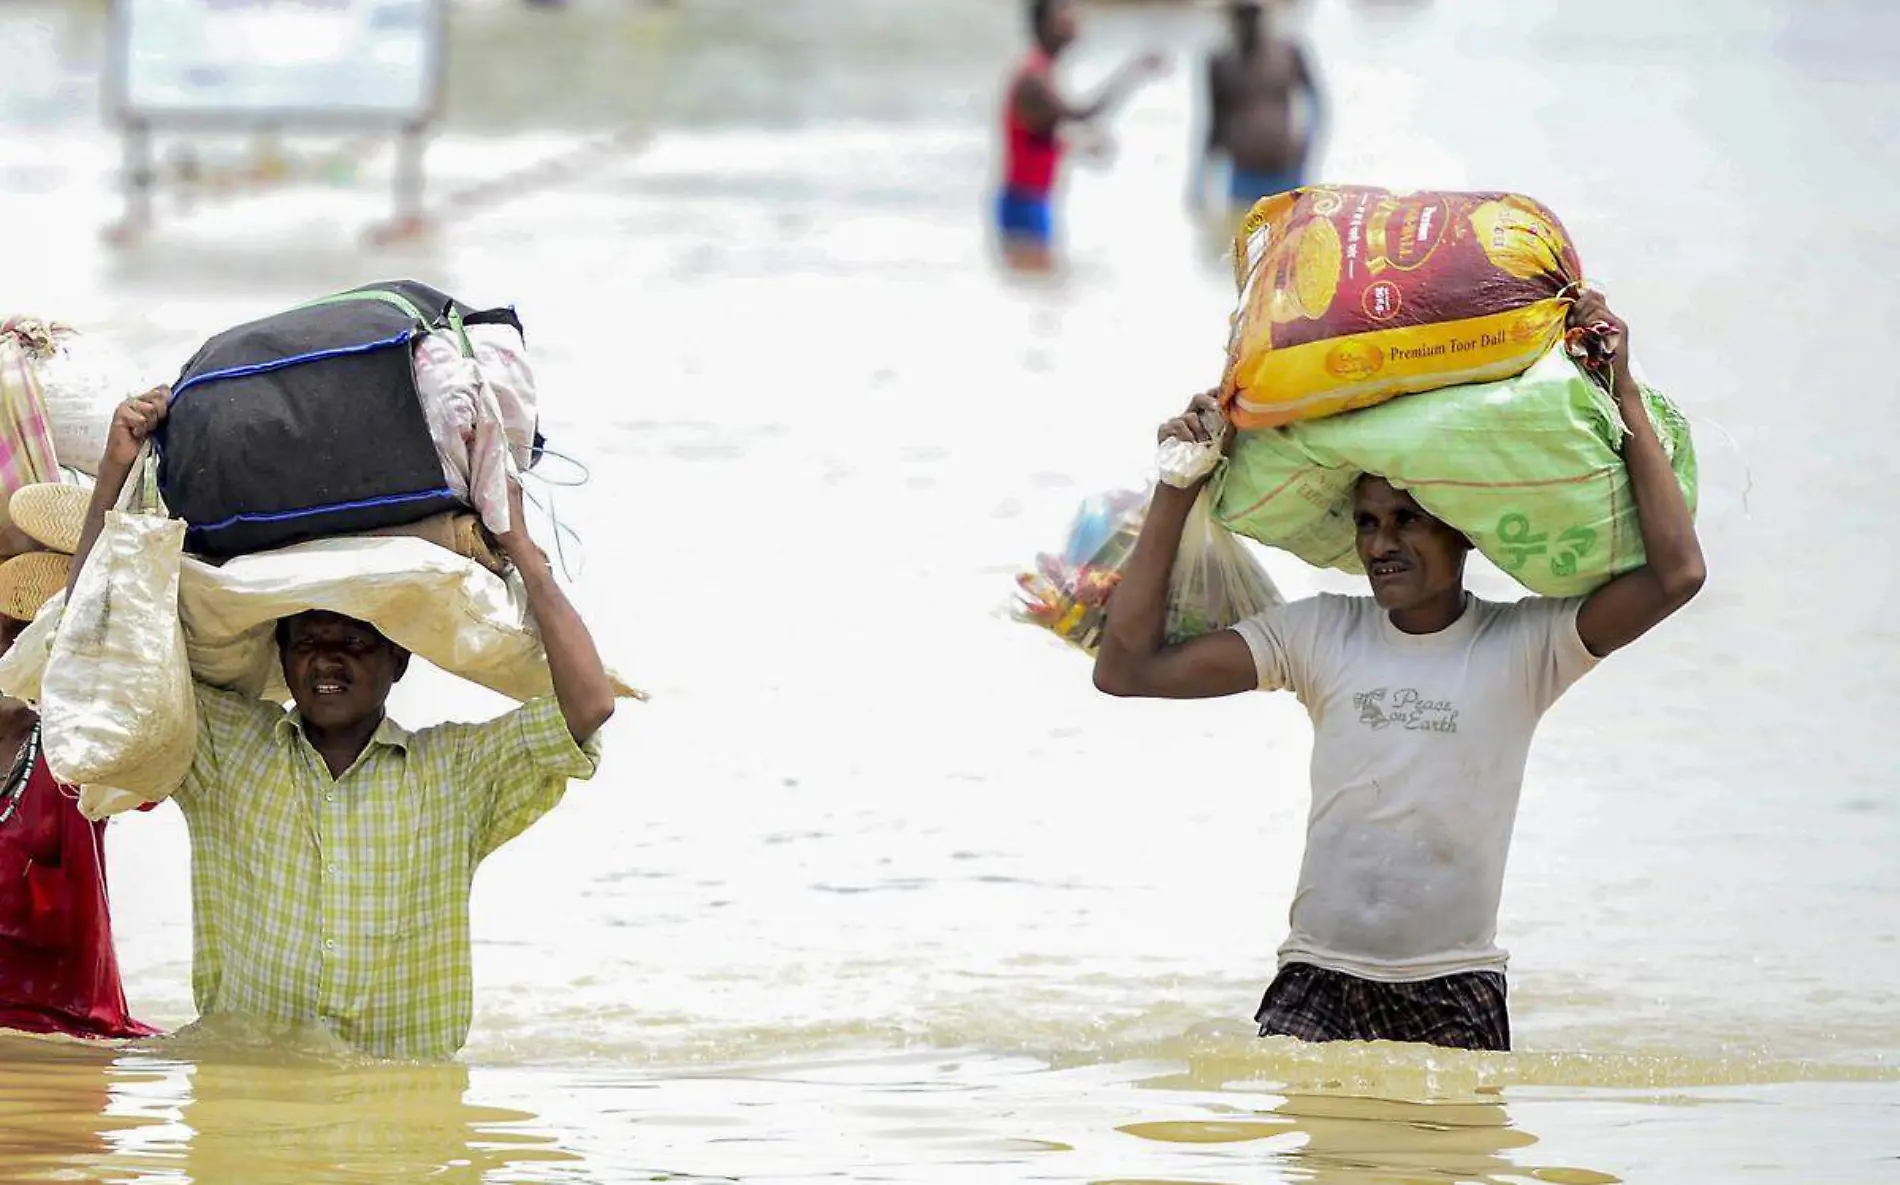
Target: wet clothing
<point x="1031" y="161"/>
<point x="1031" y="157"/>
<point x="1454" y="1011"/>
<point x="1025" y="217"/>
<point x="1245" y="187"/>
<point x="1419" y="748"/>
<point x="58" y="970"/>
<point x="345" y="901"/>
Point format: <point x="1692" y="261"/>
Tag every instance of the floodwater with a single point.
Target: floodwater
<point x="877" y="888"/>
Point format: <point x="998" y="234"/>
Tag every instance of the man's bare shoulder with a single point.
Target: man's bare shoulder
<point x="1282" y="62"/>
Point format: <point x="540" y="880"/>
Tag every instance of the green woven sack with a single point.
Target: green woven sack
<point x="1527" y="468"/>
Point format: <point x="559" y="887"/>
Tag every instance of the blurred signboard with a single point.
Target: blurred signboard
<point x="344" y="62"/>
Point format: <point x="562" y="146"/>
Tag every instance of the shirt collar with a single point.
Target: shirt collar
<point x="1459" y="630"/>
<point x="388" y="733"/>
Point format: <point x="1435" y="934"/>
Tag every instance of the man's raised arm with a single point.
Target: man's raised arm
<point x="1673" y="571"/>
<point x="1133" y="659"/>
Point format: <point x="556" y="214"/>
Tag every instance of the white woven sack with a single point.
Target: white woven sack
<point x="442" y="608"/>
<point x="116" y="700"/>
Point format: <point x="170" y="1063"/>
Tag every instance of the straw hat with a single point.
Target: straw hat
<point x="28" y="581"/>
<point x="52" y="514"/>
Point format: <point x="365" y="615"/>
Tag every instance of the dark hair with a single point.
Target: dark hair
<point x="281" y="631"/>
<point x="1039" y="14"/>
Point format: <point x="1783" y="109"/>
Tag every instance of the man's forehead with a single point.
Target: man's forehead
<point x="319" y="621"/>
<point x="1373" y="491"/>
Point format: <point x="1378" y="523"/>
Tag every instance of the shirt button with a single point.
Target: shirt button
<point x="329" y="944"/>
<point x="329" y="798"/>
<point x="329" y="868"/>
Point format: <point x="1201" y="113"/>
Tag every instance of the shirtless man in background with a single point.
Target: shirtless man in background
<point x="1252" y="87"/>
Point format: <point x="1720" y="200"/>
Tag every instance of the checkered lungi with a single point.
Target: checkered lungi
<point x="1465" y="1011"/>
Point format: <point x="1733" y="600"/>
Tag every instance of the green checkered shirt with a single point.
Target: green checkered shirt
<point x="345" y="901"/>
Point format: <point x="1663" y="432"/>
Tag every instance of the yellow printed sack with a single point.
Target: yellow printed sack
<point x="1351" y="295"/>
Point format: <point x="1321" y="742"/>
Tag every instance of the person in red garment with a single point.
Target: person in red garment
<point x="58" y="970"/>
<point x="1035" y="113"/>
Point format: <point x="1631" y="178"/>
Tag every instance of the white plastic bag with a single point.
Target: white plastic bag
<point x="1181" y="463"/>
<point x="1215" y="581"/>
<point x="116" y="701"/>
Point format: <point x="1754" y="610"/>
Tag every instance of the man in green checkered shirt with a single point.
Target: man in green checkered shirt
<point x="332" y="851"/>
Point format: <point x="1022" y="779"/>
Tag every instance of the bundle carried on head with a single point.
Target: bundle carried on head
<point x="113" y="667"/>
<point x="1351" y="295"/>
<point x="295" y="452"/>
<point x="1421" y="337"/>
<point x="357" y="412"/>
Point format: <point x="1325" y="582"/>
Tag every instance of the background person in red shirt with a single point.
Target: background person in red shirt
<point x="1033" y="115"/>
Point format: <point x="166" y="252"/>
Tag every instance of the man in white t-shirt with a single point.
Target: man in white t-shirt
<point x="1423" y="700"/>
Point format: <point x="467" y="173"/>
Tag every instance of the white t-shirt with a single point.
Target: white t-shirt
<point x="1419" y="747"/>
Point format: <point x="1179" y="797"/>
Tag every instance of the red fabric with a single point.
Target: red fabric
<point x="1031" y="157"/>
<point x="58" y="971"/>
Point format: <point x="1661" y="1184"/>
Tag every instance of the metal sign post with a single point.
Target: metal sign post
<point x="184" y="67"/>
